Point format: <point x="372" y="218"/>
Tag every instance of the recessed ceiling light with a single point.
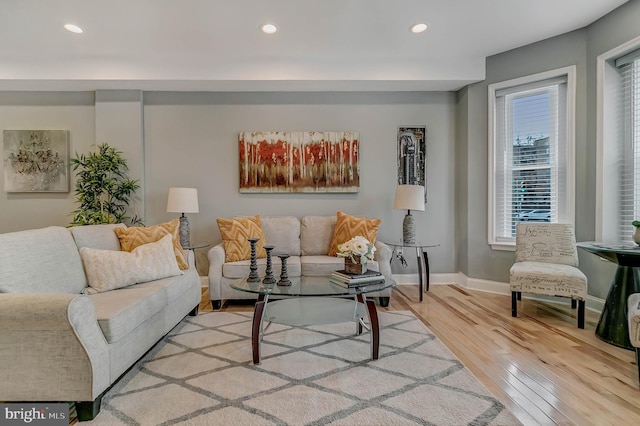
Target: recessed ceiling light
<point x="269" y="28"/>
<point x="419" y="28"/>
<point x="73" y="28"/>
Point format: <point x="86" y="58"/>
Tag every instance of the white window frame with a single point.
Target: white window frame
<point x="569" y="217"/>
<point x="607" y="128"/>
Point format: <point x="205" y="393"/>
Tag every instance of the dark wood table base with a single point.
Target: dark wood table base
<point x="373" y="326"/>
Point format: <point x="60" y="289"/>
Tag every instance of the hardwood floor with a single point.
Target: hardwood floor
<point x="540" y="365"/>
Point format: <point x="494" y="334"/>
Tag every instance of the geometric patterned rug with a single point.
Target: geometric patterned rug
<point x="202" y="373"/>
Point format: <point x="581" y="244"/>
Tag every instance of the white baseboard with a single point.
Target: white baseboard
<point x="436" y="279"/>
<point x="593" y="303"/>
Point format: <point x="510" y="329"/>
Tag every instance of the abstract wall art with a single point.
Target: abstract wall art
<point x="412" y="156"/>
<point x="36" y="160"/>
<point x="299" y="161"/>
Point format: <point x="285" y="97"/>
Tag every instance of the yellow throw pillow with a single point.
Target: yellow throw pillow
<point x="348" y="227"/>
<point x="235" y="232"/>
<point x="130" y="238"/>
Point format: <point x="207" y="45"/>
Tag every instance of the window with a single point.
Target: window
<point x="629" y="151"/>
<point x="618" y="143"/>
<point x="530" y="153"/>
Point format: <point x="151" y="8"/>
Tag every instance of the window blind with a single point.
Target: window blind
<point x="530" y="155"/>
<point x="629" y="161"/>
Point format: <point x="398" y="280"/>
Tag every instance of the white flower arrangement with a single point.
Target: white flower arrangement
<point x="358" y="250"/>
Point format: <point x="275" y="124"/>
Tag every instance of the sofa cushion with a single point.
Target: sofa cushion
<point x="174" y="287"/>
<point x="119" y="312"/>
<point x="282" y="232"/>
<point x="235" y="232"/>
<point x="130" y="238"/>
<point x="318" y="266"/>
<point x="241" y="269"/>
<point x="101" y="237"/>
<point x="348" y="226"/>
<point x="315" y="234"/>
<point x="40" y="261"/>
<point x="108" y="270"/>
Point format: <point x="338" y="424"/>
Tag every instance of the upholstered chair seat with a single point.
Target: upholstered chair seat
<point x="547" y="264"/>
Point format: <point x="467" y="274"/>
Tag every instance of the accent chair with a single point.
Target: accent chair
<point x="547" y="263"/>
<point x="633" y="313"/>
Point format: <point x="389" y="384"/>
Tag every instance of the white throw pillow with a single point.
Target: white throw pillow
<point x="108" y="269"/>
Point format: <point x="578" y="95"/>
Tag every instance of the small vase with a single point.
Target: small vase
<point x="636" y="236"/>
<point x="354" y="268"/>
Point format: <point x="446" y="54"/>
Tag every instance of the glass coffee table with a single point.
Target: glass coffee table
<point x="312" y="301"/>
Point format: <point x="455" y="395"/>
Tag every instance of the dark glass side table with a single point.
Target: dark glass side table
<point x="613" y="326"/>
<point x="422" y="257"/>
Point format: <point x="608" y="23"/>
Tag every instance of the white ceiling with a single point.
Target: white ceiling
<point x="320" y="45"/>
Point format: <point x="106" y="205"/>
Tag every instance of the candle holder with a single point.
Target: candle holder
<point x="253" y="267"/>
<point x="268" y="273"/>
<point x="284" y="276"/>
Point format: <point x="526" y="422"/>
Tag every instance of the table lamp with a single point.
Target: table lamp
<point x="183" y="200"/>
<point x="409" y="197"/>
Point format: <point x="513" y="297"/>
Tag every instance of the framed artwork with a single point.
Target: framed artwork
<point x="412" y="156"/>
<point x="36" y="160"/>
<point x="299" y="161"/>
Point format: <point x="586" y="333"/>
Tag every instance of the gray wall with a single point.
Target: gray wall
<point x="73" y="111"/>
<point x="462" y="184"/>
<point x="190" y="139"/>
<point x="578" y="48"/>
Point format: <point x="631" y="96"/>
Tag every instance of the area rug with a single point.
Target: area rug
<point x="201" y="373"/>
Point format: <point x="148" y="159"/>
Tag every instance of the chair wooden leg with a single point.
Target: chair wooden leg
<point x="519" y="295"/>
<point x="581" y="314"/>
<point x="514" y="303"/>
<point x="573" y="303"/>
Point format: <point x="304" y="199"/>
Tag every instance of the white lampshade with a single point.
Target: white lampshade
<point x="409" y="197"/>
<point x="182" y="200"/>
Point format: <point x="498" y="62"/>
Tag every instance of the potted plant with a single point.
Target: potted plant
<point x="102" y="189"/>
<point x="356" y="252"/>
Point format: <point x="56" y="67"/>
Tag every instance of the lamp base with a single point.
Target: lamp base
<point x="408" y="229"/>
<point x="185" y="238"/>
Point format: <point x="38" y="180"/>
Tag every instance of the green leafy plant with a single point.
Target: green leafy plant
<point x="636" y="223"/>
<point x="103" y="189"/>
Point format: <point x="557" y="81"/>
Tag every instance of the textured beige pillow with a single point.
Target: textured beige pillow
<point x="130" y="238"/>
<point x="348" y="227"/>
<point x="235" y="232"/>
<point x="109" y="269"/>
<point x="316" y="233"/>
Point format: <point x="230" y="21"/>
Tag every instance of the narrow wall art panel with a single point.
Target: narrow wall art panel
<point x="299" y="161"/>
<point x="36" y="160"/>
<point x="412" y="156"/>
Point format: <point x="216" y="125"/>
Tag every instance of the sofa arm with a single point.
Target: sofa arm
<point x="51" y="348"/>
<point x="216" y="256"/>
<point x="383" y="256"/>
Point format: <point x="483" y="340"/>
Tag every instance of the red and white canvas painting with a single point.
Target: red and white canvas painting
<point x="299" y="161"/>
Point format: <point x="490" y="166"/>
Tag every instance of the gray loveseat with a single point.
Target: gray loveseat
<point x="57" y="344"/>
<point x="306" y="240"/>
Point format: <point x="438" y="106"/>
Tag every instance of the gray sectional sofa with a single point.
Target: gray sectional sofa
<point x="57" y="344"/>
<point x="306" y="240"/>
